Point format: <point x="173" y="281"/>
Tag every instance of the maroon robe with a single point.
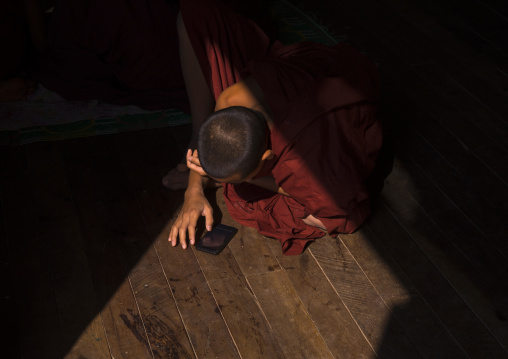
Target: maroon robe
<point x="326" y="134"/>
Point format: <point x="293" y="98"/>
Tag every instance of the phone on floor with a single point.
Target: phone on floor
<point x="216" y="240"/>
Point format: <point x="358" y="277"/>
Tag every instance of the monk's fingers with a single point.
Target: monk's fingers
<point x="208" y="214"/>
<point x="176" y="228"/>
<point x="192" y="234"/>
<point x="194" y="164"/>
<point x="193" y="221"/>
<point x="182" y="231"/>
<point x="173" y="235"/>
<point x="195" y="160"/>
<point x="188" y="156"/>
<point x="199" y="170"/>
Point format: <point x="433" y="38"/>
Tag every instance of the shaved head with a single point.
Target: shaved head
<point x="232" y="142"/>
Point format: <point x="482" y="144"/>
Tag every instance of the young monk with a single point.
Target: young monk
<point x="294" y="135"/>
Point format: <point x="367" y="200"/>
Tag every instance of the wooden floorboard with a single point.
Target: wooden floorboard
<point x="474" y="24"/>
<point x="430" y="336"/>
<point x="498" y="6"/>
<point x="364" y="303"/>
<point x="458" y="60"/>
<point x="481" y="268"/>
<point x="460" y="320"/>
<point x="330" y="315"/>
<point x="427" y="212"/>
<point x="287" y="316"/>
<point x="88" y="271"/>
<point x="249" y="328"/>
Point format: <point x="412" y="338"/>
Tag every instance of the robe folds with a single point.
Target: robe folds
<point x="326" y="134"/>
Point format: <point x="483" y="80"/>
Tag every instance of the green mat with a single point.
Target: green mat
<point x="293" y="24"/>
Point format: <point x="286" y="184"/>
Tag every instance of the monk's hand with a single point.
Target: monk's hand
<point x="193" y="162"/>
<point x="194" y="206"/>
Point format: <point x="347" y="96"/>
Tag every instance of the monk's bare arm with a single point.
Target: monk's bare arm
<point x="194" y="206"/>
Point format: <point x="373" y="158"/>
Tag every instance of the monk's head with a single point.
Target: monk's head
<point x="232" y="144"/>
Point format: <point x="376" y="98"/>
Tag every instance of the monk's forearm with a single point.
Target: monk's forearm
<point x="269" y="184"/>
<point x="197" y="183"/>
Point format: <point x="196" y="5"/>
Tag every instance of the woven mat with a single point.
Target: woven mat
<point x="47" y="117"/>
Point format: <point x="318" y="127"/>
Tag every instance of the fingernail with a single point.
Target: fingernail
<point x="192" y="242"/>
<point x="208" y="228"/>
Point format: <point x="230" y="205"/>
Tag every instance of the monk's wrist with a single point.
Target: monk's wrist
<point x="194" y="189"/>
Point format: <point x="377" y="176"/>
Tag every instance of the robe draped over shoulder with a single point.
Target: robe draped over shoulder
<point x="326" y="134"/>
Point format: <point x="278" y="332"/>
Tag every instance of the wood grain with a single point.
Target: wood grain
<point x="286" y="315"/>
<point x="430" y="336"/>
<point x="373" y="315"/>
<point x="252" y="334"/>
<point x="331" y="317"/>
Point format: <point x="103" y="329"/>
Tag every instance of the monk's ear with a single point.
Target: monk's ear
<point x="267" y="155"/>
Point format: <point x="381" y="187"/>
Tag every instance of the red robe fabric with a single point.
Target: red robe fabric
<point x="326" y="135"/>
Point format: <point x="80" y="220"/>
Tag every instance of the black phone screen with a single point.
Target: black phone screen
<point x="216" y="240"/>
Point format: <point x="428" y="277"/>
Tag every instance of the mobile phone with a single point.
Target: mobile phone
<point x="216" y="240"/>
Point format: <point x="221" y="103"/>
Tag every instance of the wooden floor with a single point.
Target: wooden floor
<point x="87" y="271"/>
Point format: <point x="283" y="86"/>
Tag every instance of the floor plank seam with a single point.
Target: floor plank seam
<point x="218" y="306"/>
<point x="344" y="304"/>
<point x="174" y="300"/>
<point x="439" y="188"/>
<point x="150" y="345"/>
<point x="392" y="314"/>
